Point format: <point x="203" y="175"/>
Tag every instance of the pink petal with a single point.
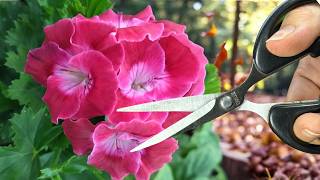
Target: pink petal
<point x="120" y="21"/>
<point x="110" y="17"/>
<point x="60" y="33"/>
<point x="182" y="69"/>
<point x="123" y="101"/>
<point x="96" y="35"/>
<point x="101" y="133"/>
<point x="91" y="34"/>
<point x="180" y="58"/>
<point x="143" y="62"/>
<point x="103" y="157"/>
<point x="198" y="87"/>
<point x="79" y="132"/>
<point x="114" y="52"/>
<point x="171" y="28"/>
<point x="140" y="128"/>
<point x="78" y="17"/>
<point x="63" y="102"/>
<point x="41" y="61"/>
<point x="168" y="87"/>
<point x="138" y="33"/>
<point x="155" y="157"/>
<point x="173" y="117"/>
<point x="145" y="15"/>
<point x="101" y="96"/>
<point x="158" y="116"/>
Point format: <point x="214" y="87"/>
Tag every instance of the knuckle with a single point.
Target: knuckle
<point x="309" y="10"/>
<point x="309" y="68"/>
<point x="303" y="68"/>
<point x="300" y="14"/>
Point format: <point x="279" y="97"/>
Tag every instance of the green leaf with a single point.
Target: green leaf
<point x="130" y="177"/>
<point x="16" y="60"/>
<point x="26" y="91"/>
<point x="49" y="173"/>
<point x="212" y="81"/>
<point x="205" y="136"/>
<point x="165" y="173"/>
<point x="17" y="164"/>
<point x="201" y="162"/>
<point x="199" y="156"/>
<point x="220" y="174"/>
<point x="19" y="38"/>
<point x="21" y="161"/>
<point x="74" y="168"/>
<point x="6" y="104"/>
<point x="60" y="141"/>
<point x="75" y="164"/>
<point x="184" y="144"/>
<point x="96" y="7"/>
<point x="87" y="8"/>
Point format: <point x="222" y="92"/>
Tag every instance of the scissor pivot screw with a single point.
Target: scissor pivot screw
<point x="226" y="102"/>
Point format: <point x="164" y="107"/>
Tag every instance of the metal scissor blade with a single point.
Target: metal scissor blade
<point x="184" y="104"/>
<point x="262" y="109"/>
<point x="176" y="127"/>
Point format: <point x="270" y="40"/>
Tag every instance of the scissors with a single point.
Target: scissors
<point x="204" y="108"/>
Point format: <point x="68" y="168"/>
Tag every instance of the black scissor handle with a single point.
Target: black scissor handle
<point x="282" y="118"/>
<point x="264" y="61"/>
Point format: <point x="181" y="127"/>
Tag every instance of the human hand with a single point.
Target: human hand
<point x="298" y="31"/>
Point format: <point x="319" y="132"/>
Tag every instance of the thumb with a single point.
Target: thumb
<point x="307" y="128"/>
<point x="298" y="31"/>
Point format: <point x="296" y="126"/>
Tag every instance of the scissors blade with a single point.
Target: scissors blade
<point x="184" y="104"/>
<point x="262" y="109"/>
<point x="176" y="127"/>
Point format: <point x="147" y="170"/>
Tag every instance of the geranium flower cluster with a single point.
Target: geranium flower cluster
<point x="92" y="66"/>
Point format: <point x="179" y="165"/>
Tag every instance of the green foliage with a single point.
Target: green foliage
<point x="90" y="7"/>
<point x="26" y="91"/>
<point x="165" y="173"/>
<point x="55" y="10"/>
<point x="32" y="133"/>
<point x="212" y="81"/>
<point x="198" y="156"/>
<point x="71" y="169"/>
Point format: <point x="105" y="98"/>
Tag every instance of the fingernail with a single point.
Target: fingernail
<point x="282" y="33"/>
<point x="310" y="134"/>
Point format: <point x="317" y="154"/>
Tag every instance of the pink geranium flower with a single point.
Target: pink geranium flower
<point x="75" y="84"/>
<point x="80" y="34"/>
<point x="155" y="70"/>
<point x="78" y="63"/>
<point x="160" y="61"/>
<point x="111" y="151"/>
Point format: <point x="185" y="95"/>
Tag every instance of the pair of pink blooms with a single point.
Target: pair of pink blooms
<point x="91" y="67"/>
